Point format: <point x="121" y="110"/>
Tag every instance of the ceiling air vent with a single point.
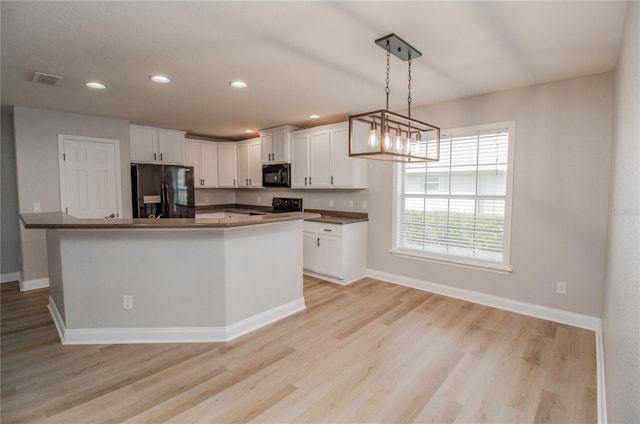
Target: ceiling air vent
<point x="47" y="79"/>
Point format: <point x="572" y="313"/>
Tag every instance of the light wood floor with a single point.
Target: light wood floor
<point x="370" y="352"/>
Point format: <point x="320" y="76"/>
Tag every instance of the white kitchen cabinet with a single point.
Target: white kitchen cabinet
<point x="156" y="145"/>
<point x="227" y="165"/>
<point x="320" y="159"/>
<point x="275" y="144"/>
<point x="336" y="253"/>
<point x="250" y="164"/>
<point x="203" y="156"/>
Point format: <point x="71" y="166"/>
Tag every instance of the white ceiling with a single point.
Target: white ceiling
<point x="298" y="58"/>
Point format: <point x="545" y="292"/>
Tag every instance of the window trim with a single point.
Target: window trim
<point x="505" y="266"/>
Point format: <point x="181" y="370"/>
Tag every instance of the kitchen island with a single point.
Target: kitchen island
<point x="170" y="280"/>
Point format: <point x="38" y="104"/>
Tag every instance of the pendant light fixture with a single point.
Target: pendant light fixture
<point x="385" y="135"/>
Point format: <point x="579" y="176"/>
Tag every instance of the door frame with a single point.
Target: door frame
<point x="61" y="166"/>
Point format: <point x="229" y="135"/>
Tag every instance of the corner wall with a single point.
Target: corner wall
<point x="10" y="249"/>
<point x="621" y="300"/>
<point x="560" y="194"/>
<point x="36" y="143"/>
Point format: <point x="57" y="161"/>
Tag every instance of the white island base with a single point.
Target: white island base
<point x="186" y="285"/>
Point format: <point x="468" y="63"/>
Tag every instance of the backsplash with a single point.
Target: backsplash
<point x="312" y="199"/>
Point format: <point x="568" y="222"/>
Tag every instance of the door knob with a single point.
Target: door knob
<point x="113" y="215"/>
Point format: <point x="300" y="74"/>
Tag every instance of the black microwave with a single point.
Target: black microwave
<point x="277" y="175"/>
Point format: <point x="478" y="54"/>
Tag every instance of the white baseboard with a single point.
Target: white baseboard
<point x="247" y="325"/>
<point x="10" y="277"/>
<point x="331" y="279"/>
<point x="602" y="396"/>
<point x="524" y="308"/>
<point x="39" y="283"/>
<point x="170" y="334"/>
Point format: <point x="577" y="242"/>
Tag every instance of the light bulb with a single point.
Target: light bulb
<point x="373" y="139"/>
<point x="373" y="136"/>
<point x="398" y="145"/>
<point x="387" y="141"/>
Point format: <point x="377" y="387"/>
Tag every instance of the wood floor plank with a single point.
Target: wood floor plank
<point x="368" y="352"/>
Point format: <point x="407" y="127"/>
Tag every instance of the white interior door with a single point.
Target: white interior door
<point x="90" y="177"/>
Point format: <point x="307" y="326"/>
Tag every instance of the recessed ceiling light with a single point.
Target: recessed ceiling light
<point x="94" y="84"/>
<point x="238" y="84"/>
<point x="249" y="131"/>
<point x="314" y="116"/>
<point x="160" y="79"/>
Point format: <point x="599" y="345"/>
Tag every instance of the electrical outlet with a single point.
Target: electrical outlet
<point x="364" y="204"/>
<point x="259" y="200"/>
<point x="36" y="208"/>
<point x="330" y="203"/>
<point x="350" y="203"/>
<point x="561" y="287"/>
<point x="127" y="302"/>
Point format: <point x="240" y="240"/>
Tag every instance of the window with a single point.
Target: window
<point x="457" y="209"/>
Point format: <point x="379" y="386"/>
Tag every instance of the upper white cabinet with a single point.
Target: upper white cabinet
<point x="275" y="144"/>
<point x="156" y="145"/>
<point x="203" y="156"/>
<point x="320" y="159"/>
<point x="250" y="163"/>
<point x="227" y="164"/>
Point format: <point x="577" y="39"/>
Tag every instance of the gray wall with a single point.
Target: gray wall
<point x="10" y="249"/>
<point x="311" y="199"/>
<point x="560" y="194"/>
<point x="621" y="300"/>
<point x="36" y="140"/>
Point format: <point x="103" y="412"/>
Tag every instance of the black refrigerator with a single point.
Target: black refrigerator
<point x="162" y="191"/>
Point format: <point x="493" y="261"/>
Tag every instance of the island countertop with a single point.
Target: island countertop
<point x="60" y="220"/>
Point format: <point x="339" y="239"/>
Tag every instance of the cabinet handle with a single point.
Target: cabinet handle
<point x="249" y="181"/>
<point x="332" y="180"/>
<point x="305" y="180"/>
<point x="160" y="156"/>
<point x="234" y="181"/>
<point x="246" y="181"/>
<point x="318" y="242"/>
<point x="155" y="157"/>
<point x="309" y="180"/>
<point x="327" y="230"/>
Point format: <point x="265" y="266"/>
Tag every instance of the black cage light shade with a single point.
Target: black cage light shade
<point x="389" y="136"/>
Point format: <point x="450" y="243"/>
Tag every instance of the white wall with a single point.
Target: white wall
<point x="560" y="194"/>
<point x="10" y="249"/>
<point x="36" y="142"/>
<point x="621" y="300"/>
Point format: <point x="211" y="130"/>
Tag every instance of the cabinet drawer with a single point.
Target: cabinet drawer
<point x="309" y="227"/>
<point x="329" y="229"/>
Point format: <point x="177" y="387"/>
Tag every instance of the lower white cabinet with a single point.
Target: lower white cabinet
<point x="337" y="253"/>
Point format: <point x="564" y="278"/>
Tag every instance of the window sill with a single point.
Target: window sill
<point x="500" y="269"/>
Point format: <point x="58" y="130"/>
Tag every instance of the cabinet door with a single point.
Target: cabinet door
<point x="267" y="148"/>
<point x="319" y="157"/>
<point x="227" y="163"/>
<point x="192" y="158"/>
<point x="170" y="147"/>
<point x="330" y="256"/>
<point x="243" y="165"/>
<point x="309" y="252"/>
<point x="280" y="147"/>
<point x="142" y="144"/>
<point x="342" y="165"/>
<point x="255" y="164"/>
<point x="209" y="165"/>
<point x="299" y="161"/>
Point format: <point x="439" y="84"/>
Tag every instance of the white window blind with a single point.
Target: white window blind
<point x="459" y="206"/>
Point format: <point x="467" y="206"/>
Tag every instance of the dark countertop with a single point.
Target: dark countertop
<point x="60" y="220"/>
<point x="328" y="217"/>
